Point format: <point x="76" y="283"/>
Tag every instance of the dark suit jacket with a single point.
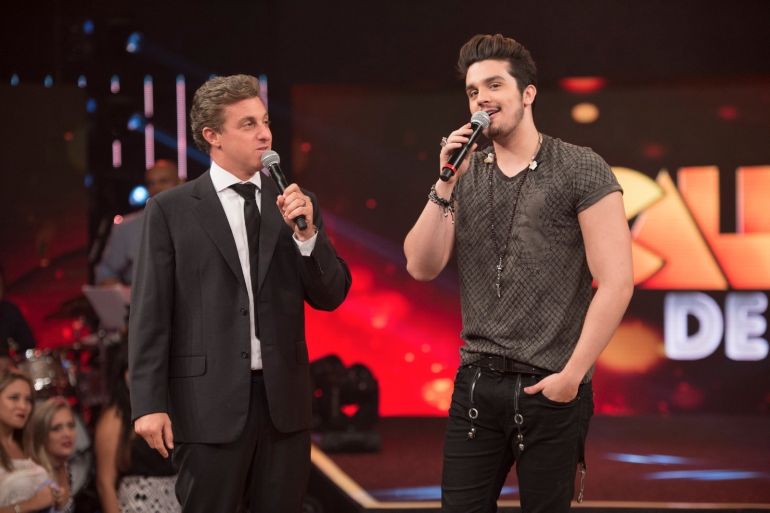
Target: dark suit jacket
<point x="189" y="340"/>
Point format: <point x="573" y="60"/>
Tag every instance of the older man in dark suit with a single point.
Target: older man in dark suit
<point x="218" y="358"/>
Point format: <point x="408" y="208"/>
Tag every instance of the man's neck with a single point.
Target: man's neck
<point x="240" y="174"/>
<point x="518" y="150"/>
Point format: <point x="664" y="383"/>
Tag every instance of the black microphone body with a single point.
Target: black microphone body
<point x="272" y="161"/>
<point x="479" y="121"/>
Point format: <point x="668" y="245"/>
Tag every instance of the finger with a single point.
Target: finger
<point x="157" y="444"/>
<point x="291" y="189"/>
<point x="299" y="205"/>
<point x="168" y="435"/>
<point x="537" y="387"/>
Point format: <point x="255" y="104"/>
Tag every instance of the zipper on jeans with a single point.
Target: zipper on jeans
<point x="473" y="413"/>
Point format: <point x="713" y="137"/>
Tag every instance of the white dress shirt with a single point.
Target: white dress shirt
<point x="232" y="202"/>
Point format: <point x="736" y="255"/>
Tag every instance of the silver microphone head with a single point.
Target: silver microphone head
<point x="480" y="118"/>
<point x="271" y="157"/>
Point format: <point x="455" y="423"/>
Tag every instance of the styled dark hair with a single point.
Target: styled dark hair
<point x="210" y="100"/>
<point x="483" y="47"/>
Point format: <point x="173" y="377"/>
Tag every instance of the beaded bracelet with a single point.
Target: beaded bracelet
<point x="446" y="206"/>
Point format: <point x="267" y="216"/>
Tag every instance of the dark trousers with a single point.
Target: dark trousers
<point x="263" y="471"/>
<point x="544" y="438"/>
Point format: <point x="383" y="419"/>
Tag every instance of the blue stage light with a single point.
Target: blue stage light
<point x="650" y="459"/>
<point x="138" y="196"/>
<point x="708" y="475"/>
<point x="90" y="105"/>
<point x="82" y="81"/>
<point x="134" y="42"/>
<point x="88" y="181"/>
<point x="15" y="80"/>
<point x="48" y="81"/>
<point x="88" y="27"/>
<point x="135" y="123"/>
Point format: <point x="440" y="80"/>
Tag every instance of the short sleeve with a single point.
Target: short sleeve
<point x="593" y="179"/>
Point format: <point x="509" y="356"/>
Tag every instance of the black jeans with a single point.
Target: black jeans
<point x="544" y="438"/>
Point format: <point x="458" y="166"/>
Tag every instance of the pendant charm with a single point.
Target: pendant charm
<point x="490" y="158"/>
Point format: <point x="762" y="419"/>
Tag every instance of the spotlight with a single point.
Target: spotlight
<point x="91" y="105"/>
<point x="135" y="123"/>
<point x="88" y="27"/>
<point x="345" y="406"/>
<point x="82" y="81"/>
<point x="15" y="80"/>
<point x="135" y="42"/>
<point x="48" y="81"/>
<point x="138" y="196"/>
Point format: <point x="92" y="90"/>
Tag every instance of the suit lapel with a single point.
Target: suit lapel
<point x="269" y="230"/>
<point x="213" y="220"/>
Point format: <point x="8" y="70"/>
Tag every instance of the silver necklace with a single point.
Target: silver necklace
<point x="501" y="253"/>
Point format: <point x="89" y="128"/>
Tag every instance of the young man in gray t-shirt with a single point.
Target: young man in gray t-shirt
<point x="534" y="220"/>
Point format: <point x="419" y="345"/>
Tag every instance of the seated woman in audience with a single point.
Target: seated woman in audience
<point x="130" y="477"/>
<point x="50" y="440"/>
<point x="24" y="485"/>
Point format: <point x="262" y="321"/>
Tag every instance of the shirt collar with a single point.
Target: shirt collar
<point x="223" y="179"/>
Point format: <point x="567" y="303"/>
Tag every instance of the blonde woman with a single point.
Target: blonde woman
<point x="50" y="440"/>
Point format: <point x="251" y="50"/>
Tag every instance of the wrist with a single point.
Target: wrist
<point x="445" y="189"/>
<point x="572" y="375"/>
<point x="306" y="234"/>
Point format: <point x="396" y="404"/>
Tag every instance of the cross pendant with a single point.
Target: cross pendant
<point x="499" y="268"/>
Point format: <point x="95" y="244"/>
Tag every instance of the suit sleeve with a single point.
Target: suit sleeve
<point x="326" y="276"/>
<point x="150" y="319"/>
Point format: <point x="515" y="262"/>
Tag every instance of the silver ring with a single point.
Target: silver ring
<point x="443" y="142"/>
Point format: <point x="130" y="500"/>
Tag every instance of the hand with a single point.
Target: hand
<point x="61" y="495"/>
<point x="155" y="428"/>
<point x="456" y="140"/>
<point x="556" y="387"/>
<point x="294" y="203"/>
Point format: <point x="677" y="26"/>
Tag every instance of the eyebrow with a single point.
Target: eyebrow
<point x="485" y="81"/>
<point x="252" y="118"/>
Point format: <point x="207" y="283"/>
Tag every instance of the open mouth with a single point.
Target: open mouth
<point x="492" y="112"/>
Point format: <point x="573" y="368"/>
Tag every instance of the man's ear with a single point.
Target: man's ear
<point x="529" y="95"/>
<point x="212" y="137"/>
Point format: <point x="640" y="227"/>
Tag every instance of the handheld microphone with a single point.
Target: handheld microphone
<point x="272" y="161"/>
<point x="479" y="121"/>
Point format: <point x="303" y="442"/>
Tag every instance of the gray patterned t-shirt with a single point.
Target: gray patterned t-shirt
<point x="546" y="285"/>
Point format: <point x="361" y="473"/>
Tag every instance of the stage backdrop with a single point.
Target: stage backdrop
<point x="695" y="166"/>
<point x="44" y="204"/>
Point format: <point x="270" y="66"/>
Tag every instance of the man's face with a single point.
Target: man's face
<point x="245" y="136"/>
<point x="491" y="88"/>
<point x="158" y="179"/>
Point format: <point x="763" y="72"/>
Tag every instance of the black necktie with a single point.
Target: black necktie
<point x="252" y="218"/>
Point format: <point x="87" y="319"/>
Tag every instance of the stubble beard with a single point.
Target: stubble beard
<point x="502" y="133"/>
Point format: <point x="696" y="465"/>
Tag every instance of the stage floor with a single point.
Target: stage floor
<point x="634" y="463"/>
